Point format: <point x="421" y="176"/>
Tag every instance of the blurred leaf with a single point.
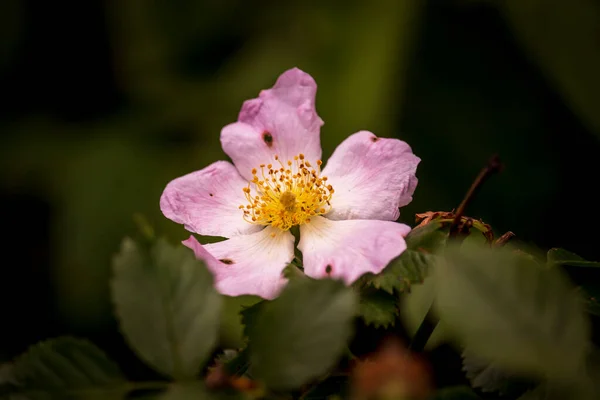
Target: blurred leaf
<point x="414" y="305"/>
<point x="378" y="308"/>
<point x="239" y="364"/>
<point x="455" y="393"/>
<point x="250" y="315"/>
<point x="66" y="367"/>
<point x="586" y="277"/>
<point x="489" y="377"/>
<point x="301" y="334"/>
<point x="187" y="391"/>
<point x="562" y="38"/>
<point x="293" y="272"/>
<point x="409" y="268"/>
<point x="166" y="305"/>
<point x="565" y="257"/>
<point x="512" y="311"/>
<point x="428" y="237"/>
<point x="231" y="327"/>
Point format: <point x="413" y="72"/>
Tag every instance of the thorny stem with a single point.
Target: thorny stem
<point x="430" y="321"/>
<point x="493" y="166"/>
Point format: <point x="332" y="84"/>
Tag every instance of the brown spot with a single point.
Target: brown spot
<point x="226" y="261"/>
<point x="268" y="138"/>
<point x="374" y="139"/>
<point x="328" y="269"/>
<point x="211" y="195"/>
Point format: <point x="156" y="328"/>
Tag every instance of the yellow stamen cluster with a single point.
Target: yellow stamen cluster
<point x="287" y="195"/>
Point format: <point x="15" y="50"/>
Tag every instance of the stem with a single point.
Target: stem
<point x="430" y="321"/>
<point x="502" y="240"/>
<point x="424" y="332"/>
<point x="494" y="165"/>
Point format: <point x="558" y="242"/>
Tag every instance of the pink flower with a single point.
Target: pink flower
<point x="345" y="211"/>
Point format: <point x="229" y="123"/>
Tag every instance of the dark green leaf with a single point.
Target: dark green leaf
<point x="455" y="393"/>
<point x="565" y="257"/>
<point x="409" y="268"/>
<point x="238" y="364"/>
<point x="510" y="310"/>
<point x="166" y="305"/>
<point x="428" y="237"/>
<point x="65" y="368"/>
<point x="378" y="308"/>
<point x="300" y="335"/>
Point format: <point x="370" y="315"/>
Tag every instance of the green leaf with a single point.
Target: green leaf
<point x="166" y="305"/>
<point x="455" y="393"/>
<point x="510" y="310"/>
<point x="565" y="257"/>
<point x="231" y="330"/>
<point x="250" y="315"/>
<point x="378" y="308"/>
<point x="409" y="268"/>
<point x="413" y="308"/>
<point x="300" y="335"/>
<point x="489" y="377"/>
<point x="428" y="237"/>
<point x="64" y="367"/>
<point x="587" y="277"/>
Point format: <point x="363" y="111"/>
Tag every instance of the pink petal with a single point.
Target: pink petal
<point x="372" y="177"/>
<point x="348" y="249"/>
<point x="281" y="121"/>
<point x="248" y="264"/>
<point x="207" y="201"/>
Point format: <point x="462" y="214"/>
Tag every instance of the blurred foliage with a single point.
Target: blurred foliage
<point x="103" y="109"/>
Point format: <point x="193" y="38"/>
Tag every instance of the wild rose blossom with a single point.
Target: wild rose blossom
<point x="345" y="211"/>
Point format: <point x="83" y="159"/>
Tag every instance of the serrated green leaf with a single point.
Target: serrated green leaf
<point x="409" y="268"/>
<point x="250" y="316"/>
<point x="512" y="311"/>
<point x="67" y="367"/>
<point x="455" y="393"/>
<point x="167" y="307"/>
<point x="565" y="257"/>
<point x="231" y="329"/>
<point x="300" y="335"/>
<point x="378" y="308"/>
<point x="430" y="237"/>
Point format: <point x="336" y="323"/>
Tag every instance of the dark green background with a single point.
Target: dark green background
<point x="104" y="102"/>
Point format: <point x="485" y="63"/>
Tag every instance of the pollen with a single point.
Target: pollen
<point x="287" y="194"/>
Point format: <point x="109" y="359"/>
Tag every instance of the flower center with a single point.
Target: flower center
<point x="287" y="196"/>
